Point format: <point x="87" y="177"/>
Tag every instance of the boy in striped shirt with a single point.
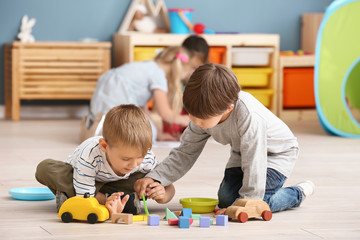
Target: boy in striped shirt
<point x="108" y="165"/>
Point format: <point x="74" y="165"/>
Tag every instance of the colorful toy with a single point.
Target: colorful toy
<point x="337" y="69"/>
<point x="153" y="220"/>
<point x="222" y="220"/>
<point x="205" y="222"/>
<point x="185" y="222"/>
<point x="186" y="212"/>
<point x="83" y="208"/>
<point x="145" y="207"/>
<point x="199" y="205"/>
<point x="140" y="218"/>
<point x="198" y="28"/>
<point x="170" y="215"/>
<point x="243" y="209"/>
<point x="126" y="218"/>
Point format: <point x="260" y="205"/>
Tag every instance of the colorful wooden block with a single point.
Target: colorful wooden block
<point x="153" y="220"/>
<point x="169" y="214"/>
<point x="204" y="221"/>
<point x="222" y="220"/>
<point x="186" y="212"/>
<point x="195" y="216"/>
<point x="184" y="222"/>
<point x="139" y="218"/>
<point x="177" y="213"/>
<point x="174" y="221"/>
<point x="125" y="218"/>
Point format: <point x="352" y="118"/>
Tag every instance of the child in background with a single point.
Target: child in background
<point x="199" y="52"/>
<point x="263" y="149"/>
<point x="109" y="164"/>
<point x="198" y="48"/>
<point x="138" y="82"/>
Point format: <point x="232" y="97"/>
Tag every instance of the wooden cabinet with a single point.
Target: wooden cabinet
<point x="124" y="46"/>
<point x="296" y="111"/>
<point x="52" y="70"/>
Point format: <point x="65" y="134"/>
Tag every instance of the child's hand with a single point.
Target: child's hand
<point x="141" y="185"/>
<point x="156" y="191"/>
<point x="115" y="204"/>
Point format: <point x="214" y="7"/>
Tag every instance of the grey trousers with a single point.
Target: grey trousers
<point x="58" y="176"/>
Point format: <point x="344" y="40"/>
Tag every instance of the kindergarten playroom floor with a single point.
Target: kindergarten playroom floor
<point x="333" y="163"/>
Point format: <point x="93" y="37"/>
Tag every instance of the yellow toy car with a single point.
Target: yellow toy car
<point x="83" y="208"/>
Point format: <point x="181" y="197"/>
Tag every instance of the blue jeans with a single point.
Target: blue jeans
<point x="278" y="199"/>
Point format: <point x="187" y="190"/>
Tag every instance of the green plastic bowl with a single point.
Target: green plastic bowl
<point x="199" y="205"/>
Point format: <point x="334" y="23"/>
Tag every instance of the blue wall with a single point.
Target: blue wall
<point x="71" y="20"/>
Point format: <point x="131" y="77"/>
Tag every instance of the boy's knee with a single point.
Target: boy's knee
<point x="42" y="170"/>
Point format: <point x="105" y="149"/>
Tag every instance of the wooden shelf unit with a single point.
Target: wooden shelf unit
<point x="296" y="113"/>
<point x="52" y="70"/>
<point x="124" y="44"/>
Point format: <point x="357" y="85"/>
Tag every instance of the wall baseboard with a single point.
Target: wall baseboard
<point x="50" y="112"/>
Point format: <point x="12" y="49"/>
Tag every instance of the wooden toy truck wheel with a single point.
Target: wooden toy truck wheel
<point x="243" y="217"/>
<point x="66" y="217"/>
<point x="92" y="218"/>
<point x="266" y="215"/>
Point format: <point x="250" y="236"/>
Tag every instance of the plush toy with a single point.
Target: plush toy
<point x="142" y="22"/>
<point x="25" y="29"/>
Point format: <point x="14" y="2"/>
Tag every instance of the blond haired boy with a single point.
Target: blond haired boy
<point x="108" y="164"/>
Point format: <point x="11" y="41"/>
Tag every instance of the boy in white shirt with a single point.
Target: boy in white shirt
<point x="108" y="164"/>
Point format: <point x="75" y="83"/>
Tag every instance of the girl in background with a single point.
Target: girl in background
<point x="138" y="82"/>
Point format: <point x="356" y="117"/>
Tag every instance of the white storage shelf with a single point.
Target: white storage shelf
<point x="124" y="44"/>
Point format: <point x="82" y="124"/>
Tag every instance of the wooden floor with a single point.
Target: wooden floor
<point x="333" y="163"/>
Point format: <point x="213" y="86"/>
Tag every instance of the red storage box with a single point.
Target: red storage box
<point x="298" y="87"/>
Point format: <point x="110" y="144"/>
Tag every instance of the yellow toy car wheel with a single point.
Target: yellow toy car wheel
<point x="66" y="217"/>
<point x="92" y="218"/>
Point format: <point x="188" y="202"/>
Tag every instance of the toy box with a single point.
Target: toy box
<point x="146" y="53"/>
<point x="298" y="87"/>
<point x="216" y="55"/>
<point x="251" y="56"/>
<point x="253" y="77"/>
<point x="263" y="95"/>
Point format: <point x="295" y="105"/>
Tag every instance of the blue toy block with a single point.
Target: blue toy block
<point x="205" y="222"/>
<point x="153" y="220"/>
<point x="186" y="212"/>
<point x="184" y="222"/>
<point x="222" y="220"/>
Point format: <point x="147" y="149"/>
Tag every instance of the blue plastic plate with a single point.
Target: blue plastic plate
<point x="32" y="194"/>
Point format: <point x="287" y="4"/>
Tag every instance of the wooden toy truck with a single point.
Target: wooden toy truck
<point x="243" y="209"/>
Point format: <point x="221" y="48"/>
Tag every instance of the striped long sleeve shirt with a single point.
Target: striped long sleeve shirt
<point x="90" y="165"/>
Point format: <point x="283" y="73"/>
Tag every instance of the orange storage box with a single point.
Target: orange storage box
<point x="298" y="87"/>
<point x="216" y="55"/>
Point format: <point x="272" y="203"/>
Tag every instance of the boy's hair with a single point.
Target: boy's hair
<point x="197" y="46"/>
<point x="128" y="125"/>
<point x="212" y="88"/>
<point x="178" y="58"/>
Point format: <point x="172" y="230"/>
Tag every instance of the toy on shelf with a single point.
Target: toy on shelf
<point x="243" y="209"/>
<point x="25" y="30"/>
<point x="178" y="17"/>
<point x="83" y="208"/>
